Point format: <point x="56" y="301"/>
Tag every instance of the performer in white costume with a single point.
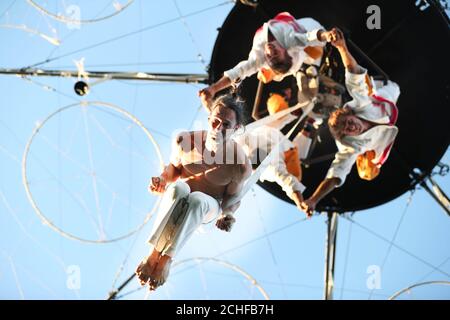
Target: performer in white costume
<point x="364" y="129"/>
<point x="280" y="47"/>
<point x="206" y="168"/>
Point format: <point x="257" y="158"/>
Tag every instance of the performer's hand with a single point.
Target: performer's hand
<point x="308" y="206"/>
<point x="225" y="222"/>
<point x="206" y="95"/>
<point x="337" y="38"/>
<point x="325" y="36"/>
<point x="157" y="185"/>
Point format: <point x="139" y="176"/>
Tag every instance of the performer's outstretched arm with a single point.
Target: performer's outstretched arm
<point x="208" y="93"/>
<point x="336" y="176"/>
<point x="338" y="41"/>
<point x="169" y="175"/>
<point x="172" y="171"/>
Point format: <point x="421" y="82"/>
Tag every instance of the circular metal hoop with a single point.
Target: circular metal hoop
<point x="230" y="266"/>
<point x="398" y="293"/>
<point x="25" y="181"/>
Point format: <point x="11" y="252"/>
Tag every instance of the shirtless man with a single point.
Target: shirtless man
<point x="206" y="169"/>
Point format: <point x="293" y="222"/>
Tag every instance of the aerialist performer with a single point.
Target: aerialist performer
<point x="206" y="169"/>
<point x="280" y="47"/>
<point x="364" y="129"/>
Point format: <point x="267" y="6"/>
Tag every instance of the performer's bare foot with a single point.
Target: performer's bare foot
<point x="160" y="272"/>
<point x="146" y="267"/>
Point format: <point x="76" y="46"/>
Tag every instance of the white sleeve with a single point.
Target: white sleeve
<point x="242" y="70"/>
<point x="390" y="91"/>
<point x="277" y="172"/>
<point x="357" y="87"/>
<point x="312" y="26"/>
<point x="303" y="40"/>
<point x="250" y="66"/>
<point x="342" y="163"/>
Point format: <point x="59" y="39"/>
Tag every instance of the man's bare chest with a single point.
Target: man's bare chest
<point x="215" y="174"/>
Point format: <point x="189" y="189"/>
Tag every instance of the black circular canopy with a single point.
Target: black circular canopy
<point x="412" y="48"/>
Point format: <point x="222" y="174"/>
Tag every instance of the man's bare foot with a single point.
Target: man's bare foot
<point x="146" y="267"/>
<point x="160" y="272"/>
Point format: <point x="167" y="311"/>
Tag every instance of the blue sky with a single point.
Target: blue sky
<point x="88" y="168"/>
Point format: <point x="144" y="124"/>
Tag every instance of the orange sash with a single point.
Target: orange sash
<point x="265" y="75"/>
<point x="367" y="170"/>
<point x="292" y="161"/>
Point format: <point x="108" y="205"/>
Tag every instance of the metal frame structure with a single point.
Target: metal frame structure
<point x="330" y="254"/>
<point x="109" y="75"/>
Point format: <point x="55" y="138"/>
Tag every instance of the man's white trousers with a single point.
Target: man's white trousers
<point x="180" y="213"/>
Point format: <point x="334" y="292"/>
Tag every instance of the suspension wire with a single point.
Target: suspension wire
<point x="72" y="32"/>
<point x="408" y="202"/>
<point x="125" y="35"/>
<point x="49" y="88"/>
<point x="398" y="247"/>
<point x="431" y="272"/>
<point x="191" y="35"/>
<point x="125" y="260"/>
<point x="269" y="243"/>
<point x="347" y="252"/>
<point x="8" y="8"/>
